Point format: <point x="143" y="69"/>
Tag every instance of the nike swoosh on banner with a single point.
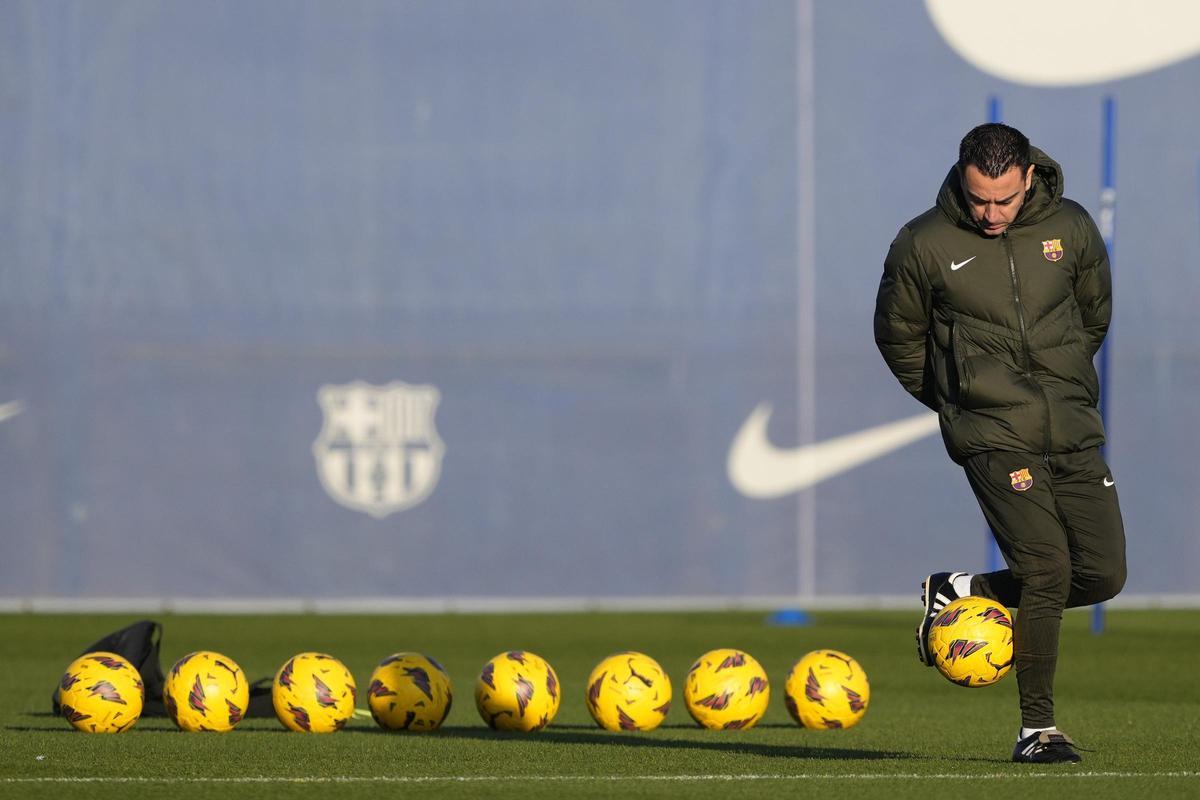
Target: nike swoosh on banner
<point x="1094" y="40"/>
<point x="759" y="469"/>
<point x="8" y="410"/>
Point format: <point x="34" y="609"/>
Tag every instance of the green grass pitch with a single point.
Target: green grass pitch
<point x="1130" y="696"/>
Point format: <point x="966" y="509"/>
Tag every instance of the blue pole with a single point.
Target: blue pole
<point x="993" y="551"/>
<point x="993" y="109"/>
<point x="1108" y="216"/>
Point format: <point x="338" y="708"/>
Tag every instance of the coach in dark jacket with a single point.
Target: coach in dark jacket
<point x="991" y="307"/>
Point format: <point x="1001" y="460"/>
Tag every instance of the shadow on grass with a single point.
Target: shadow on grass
<point x="683" y="726"/>
<point x="725" y="742"/>
<point x="716" y="741"/>
<point x="148" y="723"/>
<point x="721" y="742"/>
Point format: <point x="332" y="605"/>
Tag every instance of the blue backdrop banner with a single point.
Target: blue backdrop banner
<point x="523" y="300"/>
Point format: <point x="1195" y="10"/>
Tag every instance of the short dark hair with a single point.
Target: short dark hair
<point x="994" y="149"/>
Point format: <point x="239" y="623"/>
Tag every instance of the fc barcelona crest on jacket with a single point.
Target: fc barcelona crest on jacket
<point x="1052" y="249"/>
<point x="378" y="451"/>
<point x="1021" y="479"/>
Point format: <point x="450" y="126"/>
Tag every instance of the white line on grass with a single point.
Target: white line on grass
<point x="874" y="776"/>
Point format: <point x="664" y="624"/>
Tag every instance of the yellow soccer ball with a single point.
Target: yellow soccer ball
<point x="101" y="693"/>
<point x="409" y="692"/>
<point x="972" y="641"/>
<point x="517" y="691"/>
<point x="628" y="692"/>
<point x="206" y="691"/>
<point x="726" y="690"/>
<point x="827" y="689"/>
<point x="313" y="693"/>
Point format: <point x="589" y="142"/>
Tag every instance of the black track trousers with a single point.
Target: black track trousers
<point x="1059" y="528"/>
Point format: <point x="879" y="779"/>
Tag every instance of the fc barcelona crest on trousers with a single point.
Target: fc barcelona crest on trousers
<point x="1021" y="479"/>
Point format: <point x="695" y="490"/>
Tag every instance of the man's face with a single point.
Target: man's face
<point x="994" y="202"/>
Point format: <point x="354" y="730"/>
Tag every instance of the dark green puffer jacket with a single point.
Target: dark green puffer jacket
<point x="997" y="334"/>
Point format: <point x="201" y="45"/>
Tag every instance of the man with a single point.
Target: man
<point x="991" y="307"/>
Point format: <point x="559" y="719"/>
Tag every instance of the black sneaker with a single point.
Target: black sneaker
<point x="936" y="593"/>
<point x="1046" y="747"/>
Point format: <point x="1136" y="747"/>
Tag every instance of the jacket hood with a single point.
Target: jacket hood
<point x="1043" y="198"/>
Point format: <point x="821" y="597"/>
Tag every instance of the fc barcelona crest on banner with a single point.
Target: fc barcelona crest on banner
<point x="1021" y="479"/>
<point x="378" y="451"/>
<point x="1052" y="249"/>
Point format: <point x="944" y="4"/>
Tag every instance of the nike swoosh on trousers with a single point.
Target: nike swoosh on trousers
<point x="759" y="469"/>
<point x="1093" y="40"/>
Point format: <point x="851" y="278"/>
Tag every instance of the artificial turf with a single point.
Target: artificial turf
<point x="1129" y="696"/>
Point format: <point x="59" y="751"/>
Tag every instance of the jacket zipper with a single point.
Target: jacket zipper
<point x="1012" y="271"/>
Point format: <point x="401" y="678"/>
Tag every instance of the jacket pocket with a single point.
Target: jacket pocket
<point x="959" y="379"/>
<point x="1090" y="379"/>
<point x="988" y="377"/>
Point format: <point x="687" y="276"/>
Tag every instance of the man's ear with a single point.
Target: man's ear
<point x="1029" y="178"/>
